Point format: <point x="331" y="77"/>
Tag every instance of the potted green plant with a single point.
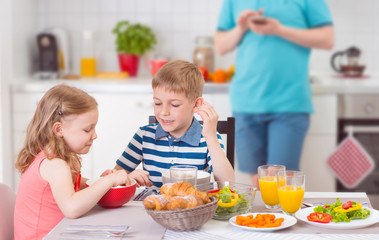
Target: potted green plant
<point x="132" y="40"/>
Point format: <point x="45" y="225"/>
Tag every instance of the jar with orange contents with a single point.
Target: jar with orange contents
<point x="203" y="54"/>
<point x="88" y="60"/>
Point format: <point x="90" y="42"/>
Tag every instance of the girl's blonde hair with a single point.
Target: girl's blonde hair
<point x="58" y="102"/>
<point x="180" y="76"/>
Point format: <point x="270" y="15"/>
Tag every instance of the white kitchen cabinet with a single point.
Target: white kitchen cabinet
<point x="319" y="177"/>
<point x="319" y="144"/>
<point x="324" y="120"/>
<point x="120" y="116"/>
<point x="221" y="104"/>
<point x="23" y="108"/>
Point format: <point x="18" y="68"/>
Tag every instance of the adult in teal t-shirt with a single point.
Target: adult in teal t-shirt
<point x="270" y="91"/>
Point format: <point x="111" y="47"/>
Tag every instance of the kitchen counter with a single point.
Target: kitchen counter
<point x="338" y="85"/>
<point x="320" y="85"/>
<point x="96" y="85"/>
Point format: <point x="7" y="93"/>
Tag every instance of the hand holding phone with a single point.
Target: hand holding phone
<point x="258" y="19"/>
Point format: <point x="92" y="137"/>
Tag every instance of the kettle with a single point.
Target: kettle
<point x="348" y="62"/>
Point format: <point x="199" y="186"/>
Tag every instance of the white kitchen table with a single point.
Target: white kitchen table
<point x="143" y="227"/>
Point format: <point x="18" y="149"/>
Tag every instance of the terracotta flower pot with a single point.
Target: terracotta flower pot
<point x="128" y="63"/>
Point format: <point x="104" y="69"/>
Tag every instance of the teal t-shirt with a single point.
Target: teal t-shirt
<point x="271" y="73"/>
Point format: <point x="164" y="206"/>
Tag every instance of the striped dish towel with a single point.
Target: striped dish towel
<point x="350" y="162"/>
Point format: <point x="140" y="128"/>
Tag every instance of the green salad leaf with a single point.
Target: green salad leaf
<point x="362" y="213"/>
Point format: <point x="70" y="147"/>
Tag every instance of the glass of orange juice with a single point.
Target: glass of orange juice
<point x="268" y="184"/>
<point x="291" y="193"/>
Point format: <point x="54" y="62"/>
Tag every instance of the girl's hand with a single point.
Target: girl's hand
<point x="141" y="177"/>
<point x="119" y="177"/>
<point x="210" y="118"/>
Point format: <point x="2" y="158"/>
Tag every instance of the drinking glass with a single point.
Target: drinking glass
<point x="184" y="173"/>
<point x="291" y="193"/>
<point x="268" y="184"/>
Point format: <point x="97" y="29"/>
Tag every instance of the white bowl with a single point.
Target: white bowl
<point x="202" y="177"/>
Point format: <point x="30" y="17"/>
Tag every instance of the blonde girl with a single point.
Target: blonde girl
<point x="62" y="128"/>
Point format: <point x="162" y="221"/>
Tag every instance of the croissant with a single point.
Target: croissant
<point x="184" y="202"/>
<point x="183" y="189"/>
<point x="167" y="202"/>
<point x="157" y="202"/>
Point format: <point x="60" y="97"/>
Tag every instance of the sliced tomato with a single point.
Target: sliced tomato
<point x="347" y="205"/>
<point x="217" y="191"/>
<point x="319" y="217"/>
<point x="214" y="191"/>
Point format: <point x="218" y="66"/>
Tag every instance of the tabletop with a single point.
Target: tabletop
<point x="144" y="227"/>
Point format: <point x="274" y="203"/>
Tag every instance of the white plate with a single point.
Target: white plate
<point x="356" y="223"/>
<point x="288" y="222"/>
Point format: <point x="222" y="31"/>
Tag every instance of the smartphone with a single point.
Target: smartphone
<point x="258" y="19"/>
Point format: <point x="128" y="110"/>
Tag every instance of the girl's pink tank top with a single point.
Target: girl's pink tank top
<point x="36" y="212"/>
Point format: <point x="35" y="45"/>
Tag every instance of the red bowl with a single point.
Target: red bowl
<point x="116" y="196"/>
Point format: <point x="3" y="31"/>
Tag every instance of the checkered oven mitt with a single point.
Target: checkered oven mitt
<point x="350" y="162"/>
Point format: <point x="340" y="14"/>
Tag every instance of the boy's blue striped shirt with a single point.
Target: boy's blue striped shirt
<point x="158" y="151"/>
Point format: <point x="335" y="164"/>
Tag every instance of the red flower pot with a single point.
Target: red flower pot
<point x="128" y="63"/>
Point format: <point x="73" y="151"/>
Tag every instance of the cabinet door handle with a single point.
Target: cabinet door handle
<point x="369" y="108"/>
<point x="142" y="104"/>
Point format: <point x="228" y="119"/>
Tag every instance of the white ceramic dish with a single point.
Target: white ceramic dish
<point x="356" y="223"/>
<point x="202" y="177"/>
<point x="288" y="222"/>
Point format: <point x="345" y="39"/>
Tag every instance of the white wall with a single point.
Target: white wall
<point x="5" y="19"/>
<point x="18" y="20"/>
<point x="356" y="23"/>
<point x="177" y="22"/>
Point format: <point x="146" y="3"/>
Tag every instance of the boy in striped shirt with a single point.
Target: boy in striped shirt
<point x="177" y="138"/>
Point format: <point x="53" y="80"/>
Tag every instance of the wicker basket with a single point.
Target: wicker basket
<point x="185" y="219"/>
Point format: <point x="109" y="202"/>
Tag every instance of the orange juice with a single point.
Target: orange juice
<point x="88" y="67"/>
<point x="290" y="198"/>
<point x="269" y="190"/>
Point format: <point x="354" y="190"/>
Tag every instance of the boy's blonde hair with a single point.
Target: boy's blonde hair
<point x="180" y="76"/>
<point x="58" y="102"/>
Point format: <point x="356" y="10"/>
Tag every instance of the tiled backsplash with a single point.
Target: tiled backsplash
<point x="177" y="23"/>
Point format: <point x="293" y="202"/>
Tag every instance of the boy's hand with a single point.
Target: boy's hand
<point x="210" y="118"/>
<point x="107" y="172"/>
<point x="141" y="177"/>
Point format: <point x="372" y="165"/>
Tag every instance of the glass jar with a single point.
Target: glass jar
<point x="203" y="54"/>
<point x="88" y="60"/>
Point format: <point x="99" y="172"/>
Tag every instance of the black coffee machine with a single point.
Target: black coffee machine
<point x="48" y="62"/>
